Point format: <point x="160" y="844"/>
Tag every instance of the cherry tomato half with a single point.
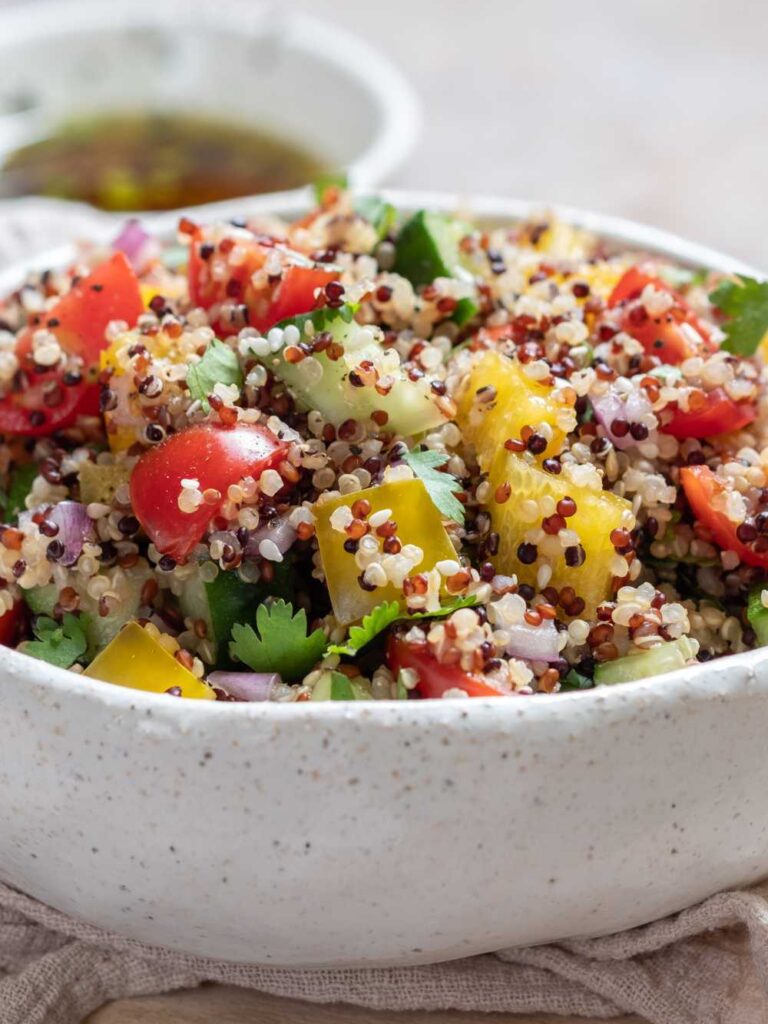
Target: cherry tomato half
<point x="214" y="455"/>
<point x="434" y="677"/>
<point x="701" y="488"/>
<point x="48" y="400"/>
<point x="675" y="335"/>
<point x="718" y="415"/>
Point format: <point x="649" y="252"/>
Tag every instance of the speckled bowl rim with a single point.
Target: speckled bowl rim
<point x="669" y="686"/>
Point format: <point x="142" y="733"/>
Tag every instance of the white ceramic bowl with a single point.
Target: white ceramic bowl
<point x="261" y="62"/>
<point x="385" y="833"/>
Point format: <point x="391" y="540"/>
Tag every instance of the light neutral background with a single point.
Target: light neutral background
<point x="653" y="109"/>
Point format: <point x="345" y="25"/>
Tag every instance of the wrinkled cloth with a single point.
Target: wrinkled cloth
<point x="706" y="965"/>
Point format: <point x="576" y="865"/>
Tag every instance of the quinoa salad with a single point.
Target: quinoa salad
<point x="378" y="455"/>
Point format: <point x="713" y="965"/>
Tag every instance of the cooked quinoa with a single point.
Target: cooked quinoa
<point x="369" y="455"/>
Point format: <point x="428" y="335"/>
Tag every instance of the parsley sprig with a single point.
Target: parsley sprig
<point x="745" y="303"/>
<point x="58" y="644"/>
<point x="281" y="643"/>
<point x="441" y="487"/>
<point x="382" y="617"/>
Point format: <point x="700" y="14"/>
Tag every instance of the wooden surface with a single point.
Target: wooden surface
<point x="218" y="1004"/>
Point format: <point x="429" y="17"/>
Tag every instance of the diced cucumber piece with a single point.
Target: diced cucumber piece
<point x="336" y="686"/>
<point x="654" y="662"/>
<point x="98" y="482"/>
<point x="757" y="614"/>
<point x="103" y="628"/>
<point x="324" y="384"/>
<point x="226" y="600"/>
<point x="100" y="629"/>
<point x="428" y="247"/>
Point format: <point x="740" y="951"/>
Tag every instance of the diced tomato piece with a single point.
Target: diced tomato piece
<point x="11" y="624"/>
<point x="675" y="335"/>
<point x="292" y="294"/>
<point x="631" y="284"/>
<point x="48" y="400"/>
<point x="296" y="294"/>
<point x="702" y="488"/>
<point x="718" y="415"/>
<point x="434" y="677"/>
<point x="214" y="455"/>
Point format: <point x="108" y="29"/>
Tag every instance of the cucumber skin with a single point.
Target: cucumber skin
<point x="665" y="658"/>
<point x="757" y="615"/>
<point x="424" y="251"/>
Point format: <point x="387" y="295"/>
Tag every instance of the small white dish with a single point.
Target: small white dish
<point x="257" y="62"/>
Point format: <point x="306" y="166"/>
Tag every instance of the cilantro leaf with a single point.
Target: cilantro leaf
<point x="442" y="487"/>
<point x="60" y="645"/>
<point x="382" y="616"/>
<point x="219" y="365"/>
<point x="281" y="644"/>
<point x="746" y="306"/>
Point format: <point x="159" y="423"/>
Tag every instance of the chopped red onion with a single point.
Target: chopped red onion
<point x="75" y="528"/>
<point x="610" y="407"/>
<point x="534" y="643"/>
<point x="137" y="245"/>
<point x="251" y="686"/>
<point x="279" y="531"/>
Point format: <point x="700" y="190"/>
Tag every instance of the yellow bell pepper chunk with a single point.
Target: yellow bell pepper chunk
<point x="419" y="523"/>
<point x="136" y="660"/>
<point x="99" y="481"/>
<point x="517" y="401"/>
<point x="597" y="514"/>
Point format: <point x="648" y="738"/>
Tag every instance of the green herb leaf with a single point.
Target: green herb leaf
<point x="341" y="688"/>
<point x="382" y="616"/>
<point x="60" y="645"/>
<point x="379" y="213"/>
<point x="333" y="179"/>
<point x="22" y="478"/>
<point x="575" y="681"/>
<point x="219" y="365"/>
<point x="281" y="644"/>
<point x="746" y="306"/>
<point x="442" y="487"/>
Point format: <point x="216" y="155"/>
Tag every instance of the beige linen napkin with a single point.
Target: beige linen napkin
<point x="706" y="965"/>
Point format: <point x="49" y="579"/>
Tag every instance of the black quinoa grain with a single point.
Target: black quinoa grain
<point x="55" y="551"/>
<point x="575" y="556"/>
<point x="128" y="525"/>
<point x="527" y="553"/>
